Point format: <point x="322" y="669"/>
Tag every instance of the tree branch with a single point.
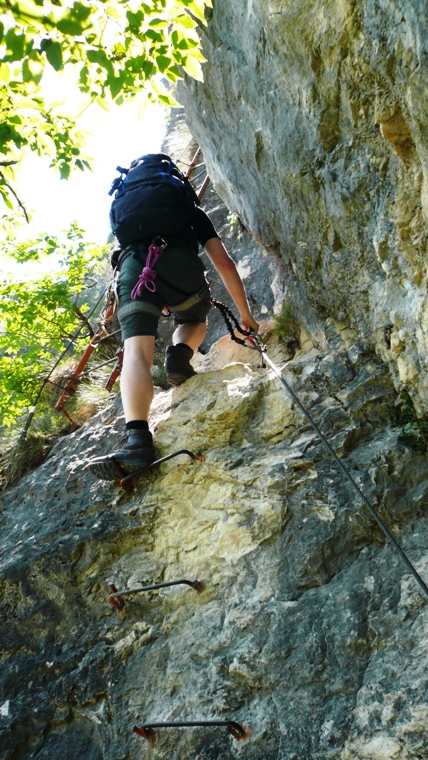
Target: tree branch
<point x="11" y="190"/>
<point x="82" y="316"/>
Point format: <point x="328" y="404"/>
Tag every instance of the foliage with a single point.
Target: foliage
<point x="284" y="324"/>
<point x="414" y="429"/>
<point x="37" y="315"/>
<point x="286" y="329"/>
<point x="116" y="50"/>
<point x="234" y="222"/>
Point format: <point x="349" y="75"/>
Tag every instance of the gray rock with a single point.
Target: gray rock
<point x="313" y="121"/>
<point x="309" y="629"/>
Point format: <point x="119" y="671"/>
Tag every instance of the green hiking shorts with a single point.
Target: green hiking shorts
<point x="180" y="285"/>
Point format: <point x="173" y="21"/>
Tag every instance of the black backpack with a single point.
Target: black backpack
<point x="153" y="199"/>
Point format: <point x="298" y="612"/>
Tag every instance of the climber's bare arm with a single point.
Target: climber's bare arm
<point x="228" y="272"/>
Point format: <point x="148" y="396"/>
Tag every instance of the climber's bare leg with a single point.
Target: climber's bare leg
<point x="136" y="384"/>
<point x="190" y="333"/>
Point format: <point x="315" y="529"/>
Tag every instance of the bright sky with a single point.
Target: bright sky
<point x="118" y="136"/>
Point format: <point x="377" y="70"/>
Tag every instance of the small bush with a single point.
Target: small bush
<point x="414" y="429"/>
<point x="286" y="329"/>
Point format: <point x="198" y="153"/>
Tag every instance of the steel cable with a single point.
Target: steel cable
<point x="256" y="342"/>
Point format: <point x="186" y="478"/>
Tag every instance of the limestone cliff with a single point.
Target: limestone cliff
<point x="308" y="629"/>
<point x="314" y="122"/>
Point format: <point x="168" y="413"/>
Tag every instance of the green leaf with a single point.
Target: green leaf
<point x="169" y="101"/>
<point x="155" y="36"/>
<point x="193" y="68"/>
<point x="102" y="103"/>
<point x="113" y="13"/>
<point x="5" y="73"/>
<point x="32" y="71"/>
<point x="148" y="68"/>
<point x="8" y="134"/>
<point x="70" y="27"/>
<point x="47" y="143"/>
<point x="84" y="75"/>
<point x="115" y="84"/>
<point x="163" y="95"/>
<point x="197" y="8"/>
<point x="196" y="53"/>
<point x="185" y="21"/>
<point x="157" y="22"/>
<point x="15" y="46"/>
<point x="174" y="73"/>
<point x="134" y="20"/>
<point x="184" y="45"/>
<point x="64" y="171"/>
<point x="53" y="53"/>
<point x="80" y="11"/>
<point x="163" y="62"/>
<point x="93" y="56"/>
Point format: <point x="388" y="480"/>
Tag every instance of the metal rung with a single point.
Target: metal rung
<point x="115" y="596"/>
<point x="199" y="175"/>
<point x="129" y="479"/>
<point x="147" y="730"/>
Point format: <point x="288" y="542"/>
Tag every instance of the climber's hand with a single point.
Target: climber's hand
<point x="249" y="323"/>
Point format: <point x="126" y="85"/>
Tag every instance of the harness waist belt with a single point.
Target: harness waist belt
<point x="133" y="306"/>
<point x="151" y="308"/>
<point x="190" y="300"/>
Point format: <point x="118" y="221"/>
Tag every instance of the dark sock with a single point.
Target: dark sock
<point x="185" y="346"/>
<point x="137" y="425"/>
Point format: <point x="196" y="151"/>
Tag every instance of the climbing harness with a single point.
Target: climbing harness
<point x="254" y="341"/>
<point x="151" y="308"/>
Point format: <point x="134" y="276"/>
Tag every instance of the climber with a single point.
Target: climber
<point x="177" y="279"/>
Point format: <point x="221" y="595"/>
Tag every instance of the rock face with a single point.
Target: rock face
<point x="308" y="630"/>
<point x="314" y="122"/>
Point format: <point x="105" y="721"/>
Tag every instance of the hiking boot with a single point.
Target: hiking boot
<point x="177" y="364"/>
<point x="136" y="453"/>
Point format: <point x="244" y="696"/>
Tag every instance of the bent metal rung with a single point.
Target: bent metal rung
<point x="128" y="478"/>
<point x="115" y="596"/>
<point x="148" y="730"/>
